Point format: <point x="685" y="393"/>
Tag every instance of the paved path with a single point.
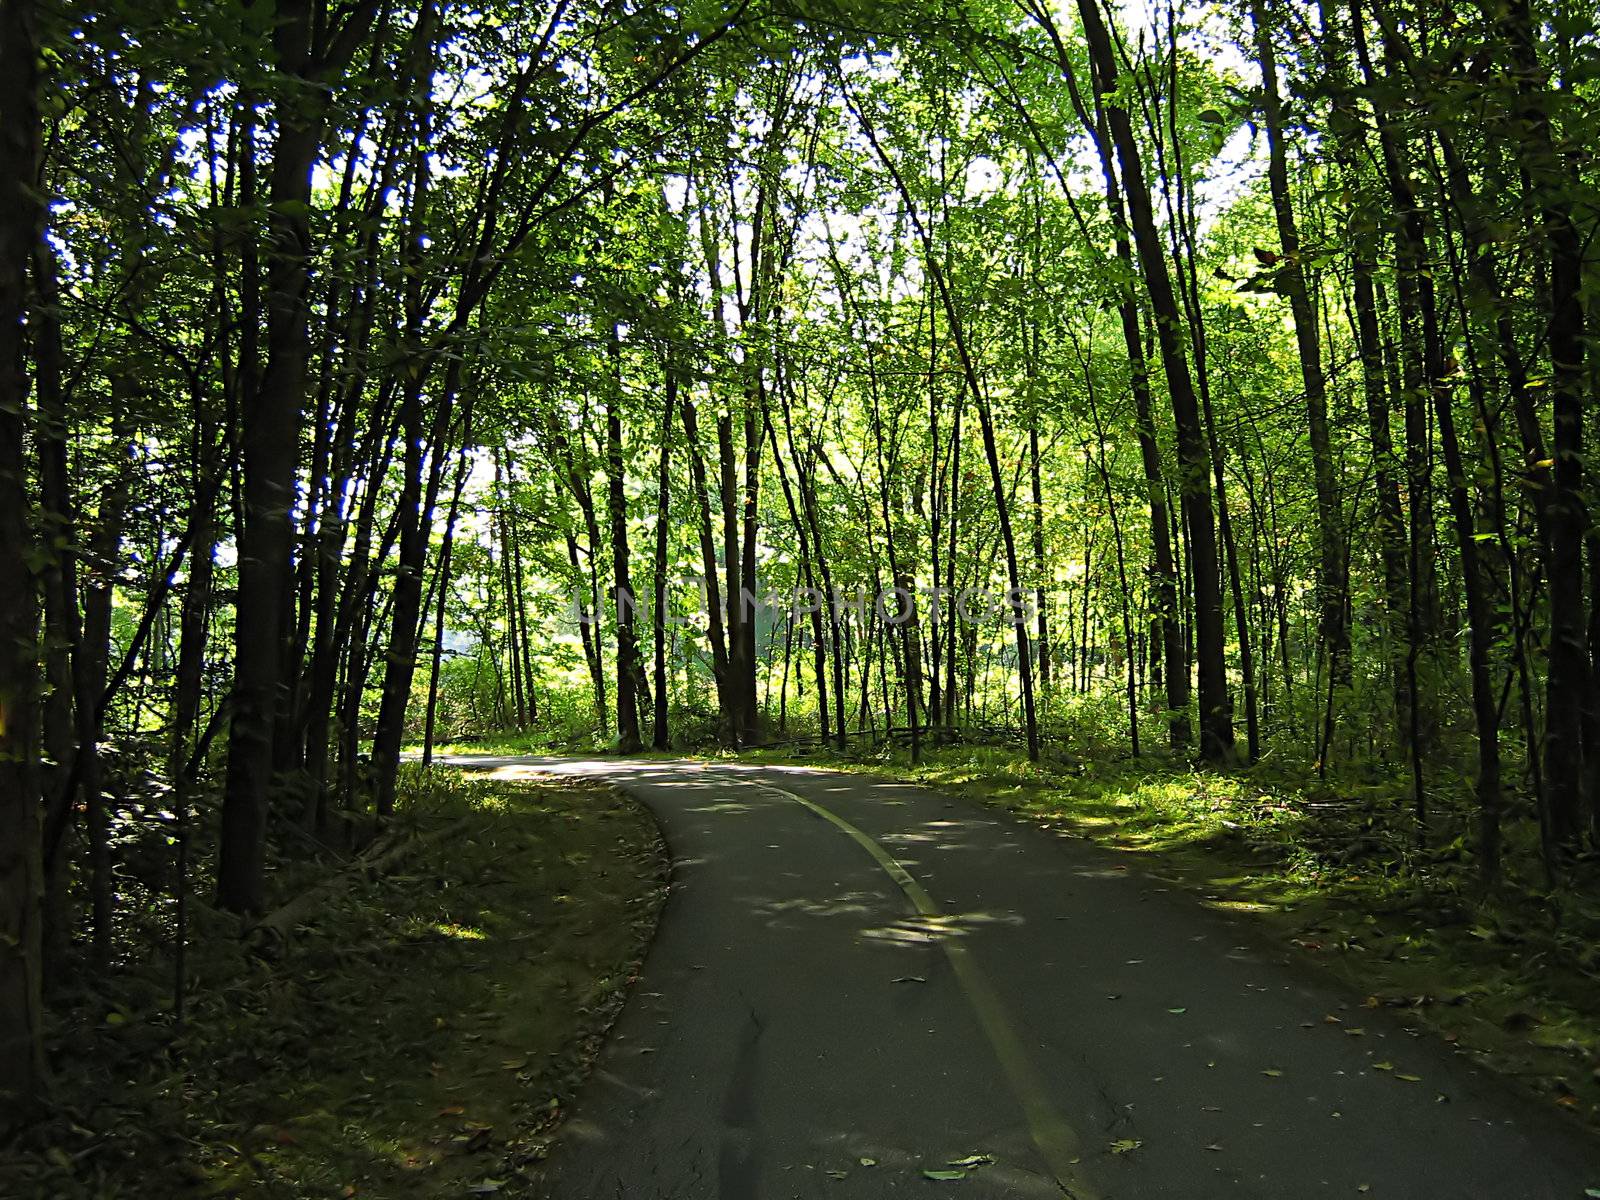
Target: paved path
<point x="856" y="982"/>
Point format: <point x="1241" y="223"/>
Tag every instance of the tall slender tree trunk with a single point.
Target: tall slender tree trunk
<point x="1569" y="697"/>
<point x="62" y="621"/>
<point x="1216" y="713"/>
<point x="1016" y="597"/>
<point x="661" y="738"/>
<point x="754" y="421"/>
<point x="708" y="554"/>
<point x="189" y="691"/>
<point x="1391" y="531"/>
<point x="270" y="442"/>
<point x="1040" y="567"/>
<point x="1428" y="373"/>
<point x="22" y="1064"/>
<point x="419" y="497"/>
<point x="446" y="560"/>
<point x="628" y="740"/>
<point x="1332" y="583"/>
<point x="733" y="587"/>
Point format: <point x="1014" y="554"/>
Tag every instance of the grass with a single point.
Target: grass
<point x="1334" y="874"/>
<point x="418" y="1041"/>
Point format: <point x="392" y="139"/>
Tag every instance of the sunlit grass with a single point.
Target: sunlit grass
<point x="1332" y="869"/>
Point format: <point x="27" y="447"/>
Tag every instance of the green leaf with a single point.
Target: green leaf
<point x="931" y="1173"/>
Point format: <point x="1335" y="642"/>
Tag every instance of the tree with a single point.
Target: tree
<point x="21" y="868"/>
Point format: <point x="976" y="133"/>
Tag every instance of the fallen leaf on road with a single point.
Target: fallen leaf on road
<point x="1125" y="1146"/>
<point x="972" y="1160"/>
<point x="909" y="979"/>
<point x="942" y="1174"/>
<point x="1272" y="1073"/>
<point x="1383" y="1066"/>
<point x="1177" y="1012"/>
<point x="1410" y="1078"/>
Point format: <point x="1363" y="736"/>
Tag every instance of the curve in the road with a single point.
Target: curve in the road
<point x="818" y="1021"/>
<point x="1053" y="1136"/>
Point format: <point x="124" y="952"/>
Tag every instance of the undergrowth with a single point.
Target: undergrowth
<point x="416" y="1039"/>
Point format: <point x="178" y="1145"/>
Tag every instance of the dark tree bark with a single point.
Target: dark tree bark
<point x="419" y="496"/>
<point x="708" y="554"/>
<point x="1428" y="382"/>
<point x="1216" y="713"/>
<point x="270" y="439"/>
<point x="662" y="738"/>
<point x="446" y="554"/>
<point x="755" y="418"/>
<point x="805" y="481"/>
<point x="59" y="577"/>
<point x="1040" y="567"/>
<point x="1332" y="583"/>
<point x="1391" y="530"/>
<point x="1568" y="687"/>
<point x="22" y="1065"/>
<point x="1170" y="662"/>
<point x="808" y="577"/>
<point x="628" y="740"/>
<point x="734" y="583"/>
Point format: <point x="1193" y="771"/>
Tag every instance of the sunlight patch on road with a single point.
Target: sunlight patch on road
<point x="1056" y="1140"/>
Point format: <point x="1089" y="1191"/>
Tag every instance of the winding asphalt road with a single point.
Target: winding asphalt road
<point x="858" y="982"/>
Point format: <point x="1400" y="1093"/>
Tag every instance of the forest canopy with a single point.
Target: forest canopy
<point x="1172" y="380"/>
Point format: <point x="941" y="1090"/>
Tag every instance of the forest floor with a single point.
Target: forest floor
<point x="1333" y="873"/>
<point x="420" y="1039"/>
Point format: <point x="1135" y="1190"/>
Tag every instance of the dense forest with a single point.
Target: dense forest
<point x="1177" y="381"/>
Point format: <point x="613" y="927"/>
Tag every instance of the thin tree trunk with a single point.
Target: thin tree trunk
<point x="22" y="1064"/>
<point x="662" y="735"/>
<point x="1039" y="565"/>
<point x="1332" y="585"/>
<point x="628" y="740"/>
<point x="1216" y="717"/>
<point x="708" y="554"/>
<point x="269" y="440"/>
<point x="443" y="601"/>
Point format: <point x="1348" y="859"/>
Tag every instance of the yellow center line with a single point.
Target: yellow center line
<point x="1055" y="1138"/>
